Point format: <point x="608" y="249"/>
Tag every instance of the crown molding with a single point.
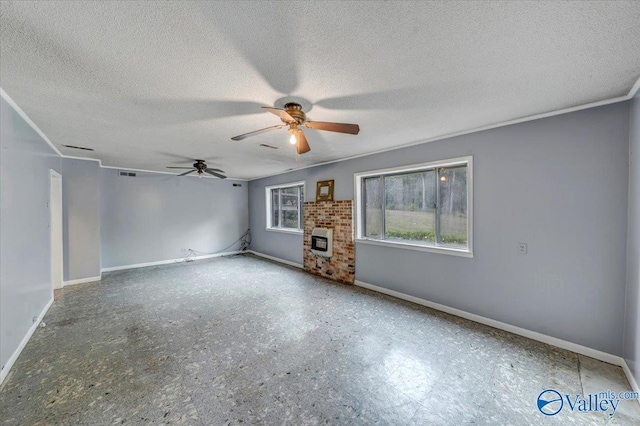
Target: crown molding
<point x="631" y="94"/>
<point x="634" y="89"/>
<point x="33" y="125"/>
<point x="26" y="118"/>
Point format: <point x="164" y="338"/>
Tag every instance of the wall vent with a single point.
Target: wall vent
<point x="268" y="146"/>
<point x="78" y="147"/>
<point x="237" y="184"/>
<point x="130" y="174"/>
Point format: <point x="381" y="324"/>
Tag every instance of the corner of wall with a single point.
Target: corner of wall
<point x="631" y="332"/>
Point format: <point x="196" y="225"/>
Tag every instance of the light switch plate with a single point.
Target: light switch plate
<point x="522" y="248"/>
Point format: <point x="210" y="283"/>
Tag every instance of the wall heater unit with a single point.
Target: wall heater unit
<point x="322" y="242"/>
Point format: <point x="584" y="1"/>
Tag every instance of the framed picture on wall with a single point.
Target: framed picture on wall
<point x="324" y="190"/>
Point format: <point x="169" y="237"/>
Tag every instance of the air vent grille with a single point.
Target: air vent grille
<point x="237" y="184"/>
<point x="129" y="174"/>
<point x="78" y="147"/>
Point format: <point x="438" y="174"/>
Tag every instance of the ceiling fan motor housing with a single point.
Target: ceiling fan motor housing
<point x="200" y="166"/>
<point x="295" y="111"/>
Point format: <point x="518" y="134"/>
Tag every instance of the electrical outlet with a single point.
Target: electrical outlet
<point x="522" y="248"/>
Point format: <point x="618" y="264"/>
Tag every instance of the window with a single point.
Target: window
<point x="284" y="207"/>
<point x="424" y="207"/>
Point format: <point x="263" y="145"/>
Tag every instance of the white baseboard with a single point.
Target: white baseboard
<point x="82" y="281"/>
<point x="632" y="380"/>
<point x="277" y="259"/>
<point x="23" y="343"/>
<point x="554" y="341"/>
<point x="166" y="262"/>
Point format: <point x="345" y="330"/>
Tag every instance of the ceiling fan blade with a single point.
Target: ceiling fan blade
<point x="352" y="129"/>
<point x="185" y="168"/>
<point x="186" y="173"/>
<point x="215" y="170"/>
<point x="266" y="129"/>
<point x="402" y="98"/>
<point x="163" y="111"/>
<point x="284" y="115"/>
<point x="302" y="146"/>
<point x="218" y="175"/>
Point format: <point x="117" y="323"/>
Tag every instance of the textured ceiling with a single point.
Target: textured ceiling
<point x="152" y="84"/>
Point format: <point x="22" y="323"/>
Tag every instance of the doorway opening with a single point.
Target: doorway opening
<point x="55" y="206"/>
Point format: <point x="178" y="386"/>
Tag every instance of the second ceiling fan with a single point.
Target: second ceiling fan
<point x="293" y="117"/>
<point x="200" y="167"/>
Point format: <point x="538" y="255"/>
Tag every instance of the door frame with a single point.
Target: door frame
<point x="56" y="229"/>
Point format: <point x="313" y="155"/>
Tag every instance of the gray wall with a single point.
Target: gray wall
<point x="632" y="318"/>
<point x="81" y="218"/>
<point x="25" y="237"/>
<point x="152" y="216"/>
<point x="558" y="184"/>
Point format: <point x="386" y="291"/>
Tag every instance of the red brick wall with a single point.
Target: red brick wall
<point x="336" y="215"/>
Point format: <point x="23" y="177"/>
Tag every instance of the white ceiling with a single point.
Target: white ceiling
<point x="152" y="84"/>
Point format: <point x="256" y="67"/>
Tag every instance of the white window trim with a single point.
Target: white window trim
<point x="360" y="238"/>
<point x="267" y="193"/>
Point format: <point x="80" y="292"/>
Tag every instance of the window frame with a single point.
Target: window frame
<point x="414" y="168"/>
<point x="269" y="208"/>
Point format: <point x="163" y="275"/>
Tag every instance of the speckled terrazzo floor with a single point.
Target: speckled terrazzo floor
<point x="241" y="340"/>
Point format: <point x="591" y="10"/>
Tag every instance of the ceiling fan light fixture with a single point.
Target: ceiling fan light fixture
<point x="293" y="117"/>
